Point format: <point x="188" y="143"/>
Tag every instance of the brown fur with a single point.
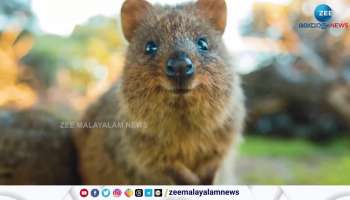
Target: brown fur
<point x="186" y="135"/>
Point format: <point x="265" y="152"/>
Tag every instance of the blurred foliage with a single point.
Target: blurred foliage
<point x="81" y="66"/>
<point x="13" y="92"/>
<point x="18" y="13"/>
<point x="17" y="22"/>
<point x="89" y="47"/>
<point x="46" y="60"/>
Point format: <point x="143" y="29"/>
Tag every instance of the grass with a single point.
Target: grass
<point x="293" y="161"/>
<point x="260" y="146"/>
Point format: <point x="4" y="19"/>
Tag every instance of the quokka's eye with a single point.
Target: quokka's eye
<point x="151" y="48"/>
<point x="202" y="44"/>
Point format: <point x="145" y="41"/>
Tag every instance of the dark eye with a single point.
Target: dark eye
<point x="202" y="44"/>
<point x="151" y="48"/>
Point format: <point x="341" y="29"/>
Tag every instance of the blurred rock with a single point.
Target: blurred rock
<point x="35" y="150"/>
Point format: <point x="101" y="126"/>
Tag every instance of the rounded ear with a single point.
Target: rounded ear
<point x="215" y="11"/>
<point x="132" y="13"/>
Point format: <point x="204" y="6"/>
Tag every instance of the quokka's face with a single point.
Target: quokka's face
<point x="175" y="49"/>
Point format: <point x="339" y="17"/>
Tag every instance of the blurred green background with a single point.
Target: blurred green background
<point x="297" y="82"/>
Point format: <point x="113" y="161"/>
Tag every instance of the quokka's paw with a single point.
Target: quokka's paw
<point x="207" y="172"/>
<point x="181" y="175"/>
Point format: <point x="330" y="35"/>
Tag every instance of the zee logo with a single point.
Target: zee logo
<point x="323" y="13"/>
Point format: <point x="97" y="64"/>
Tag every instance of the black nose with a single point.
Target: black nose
<point x="179" y="66"/>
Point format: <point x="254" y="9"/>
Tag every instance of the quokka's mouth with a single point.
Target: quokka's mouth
<point x="181" y="91"/>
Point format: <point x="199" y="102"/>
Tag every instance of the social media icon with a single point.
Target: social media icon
<point x="106" y="192"/>
<point x="95" y="192"/>
<point x="158" y="192"/>
<point x="128" y="192"/>
<point x="84" y="192"/>
<point x="148" y="192"/>
<point x="117" y="192"/>
<point x="138" y="193"/>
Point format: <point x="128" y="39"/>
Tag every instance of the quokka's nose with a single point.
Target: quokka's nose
<point x="179" y="66"/>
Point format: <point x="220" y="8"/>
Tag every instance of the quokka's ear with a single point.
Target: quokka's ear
<point x="215" y="11"/>
<point x="132" y="12"/>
